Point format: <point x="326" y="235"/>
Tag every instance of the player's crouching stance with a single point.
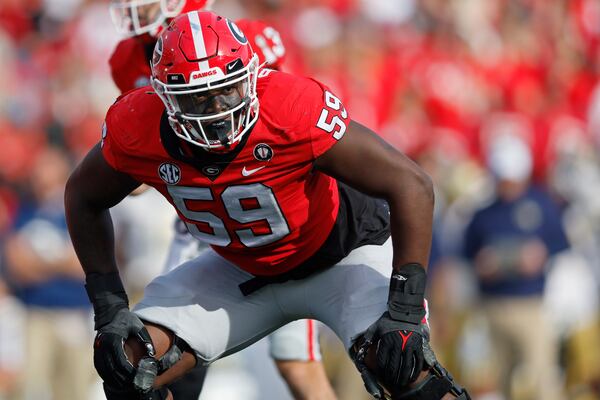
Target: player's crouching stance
<point x="288" y="240"/>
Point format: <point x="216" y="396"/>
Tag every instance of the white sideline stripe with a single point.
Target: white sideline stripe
<point x="198" y="39"/>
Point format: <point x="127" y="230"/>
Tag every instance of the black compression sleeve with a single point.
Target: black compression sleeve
<point x="107" y="295"/>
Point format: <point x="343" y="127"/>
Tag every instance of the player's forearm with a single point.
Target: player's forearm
<point x="367" y="163"/>
<point x="91" y="232"/>
<point x="411" y="204"/>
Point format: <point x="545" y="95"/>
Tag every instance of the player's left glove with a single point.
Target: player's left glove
<point x="401" y="336"/>
<point x="401" y="331"/>
<point x="399" y="352"/>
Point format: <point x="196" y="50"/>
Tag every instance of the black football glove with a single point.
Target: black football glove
<point x="401" y="336"/>
<point x="115" y="323"/>
<point x="399" y="352"/>
<point x="400" y="332"/>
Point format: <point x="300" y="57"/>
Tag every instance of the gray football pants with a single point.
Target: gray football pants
<point x="200" y="301"/>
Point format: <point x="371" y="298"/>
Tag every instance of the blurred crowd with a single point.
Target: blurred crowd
<point x="499" y="100"/>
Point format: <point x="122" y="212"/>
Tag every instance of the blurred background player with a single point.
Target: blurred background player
<point x="142" y="20"/>
<point x="294" y="347"/>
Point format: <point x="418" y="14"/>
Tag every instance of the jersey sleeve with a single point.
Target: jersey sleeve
<point x="321" y="116"/>
<point x="307" y="112"/>
<point x="129" y="67"/>
<point x="112" y="149"/>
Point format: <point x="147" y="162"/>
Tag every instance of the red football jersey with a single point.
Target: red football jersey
<point x="265" y="41"/>
<point x="265" y="209"/>
<point x="130" y="62"/>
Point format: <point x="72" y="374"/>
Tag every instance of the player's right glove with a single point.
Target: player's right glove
<point x="115" y="323"/>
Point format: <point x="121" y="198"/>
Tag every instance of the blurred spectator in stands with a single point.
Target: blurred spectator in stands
<point x="48" y="279"/>
<point x="572" y="286"/>
<point x="11" y="311"/>
<point x="11" y="343"/>
<point x="509" y="244"/>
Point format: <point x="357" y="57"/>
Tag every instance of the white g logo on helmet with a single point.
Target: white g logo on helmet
<point x="237" y="32"/>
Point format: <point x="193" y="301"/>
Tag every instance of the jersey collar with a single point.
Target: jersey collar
<point x="209" y="164"/>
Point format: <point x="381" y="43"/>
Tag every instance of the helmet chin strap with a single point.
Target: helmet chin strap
<point x="225" y="142"/>
<point x="179" y="117"/>
<point x="221" y="133"/>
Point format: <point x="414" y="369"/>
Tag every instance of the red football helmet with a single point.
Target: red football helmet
<point x="136" y="17"/>
<point x="205" y="72"/>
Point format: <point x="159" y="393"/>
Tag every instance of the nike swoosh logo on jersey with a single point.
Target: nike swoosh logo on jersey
<point x="248" y="172"/>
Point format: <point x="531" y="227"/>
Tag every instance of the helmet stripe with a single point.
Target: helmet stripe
<point x="198" y="38"/>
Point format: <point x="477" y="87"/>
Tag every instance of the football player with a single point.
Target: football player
<point x="253" y="161"/>
<point x="141" y="21"/>
<point x="295" y="347"/>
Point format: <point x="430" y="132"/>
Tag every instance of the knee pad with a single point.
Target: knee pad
<point x="149" y="367"/>
<point x="132" y="394"/>
<point x="173" y="355"/>
<point x="434" y="387"/>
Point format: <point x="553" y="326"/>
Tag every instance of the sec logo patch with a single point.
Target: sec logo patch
<point x="169" y="173"/>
